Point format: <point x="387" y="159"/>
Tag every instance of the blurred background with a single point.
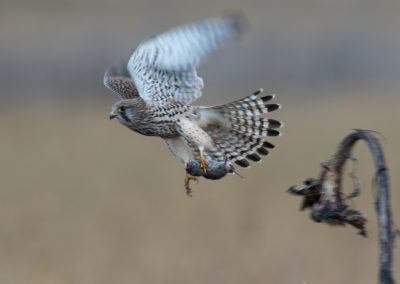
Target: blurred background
<point x="84" y="200"/>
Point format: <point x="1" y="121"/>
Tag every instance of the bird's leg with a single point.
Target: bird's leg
<point x="188" y="178"/>
<point x="203" y="162"/>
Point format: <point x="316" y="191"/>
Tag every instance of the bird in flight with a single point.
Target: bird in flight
<point x="159" y="82"/>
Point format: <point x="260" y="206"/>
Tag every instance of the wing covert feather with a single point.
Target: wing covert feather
<point x="118" y="80"/>
<point x="164" y="67"/>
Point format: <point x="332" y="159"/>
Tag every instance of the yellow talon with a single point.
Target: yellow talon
<point x="203" y="162"/>
<point x="188" y="178"/>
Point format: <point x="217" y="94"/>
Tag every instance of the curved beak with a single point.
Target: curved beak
<point x="113" y="114"/>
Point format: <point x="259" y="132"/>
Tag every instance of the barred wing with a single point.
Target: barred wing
<point x="164" y="67"/>
<point x="118" y="80"/>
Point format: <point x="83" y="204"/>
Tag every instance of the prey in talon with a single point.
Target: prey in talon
<point x="215" y="170"/>
<point x="158" y="83"/>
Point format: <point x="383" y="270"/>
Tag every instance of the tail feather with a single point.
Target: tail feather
<point x="257" y="126"/>
<point x="248" y="145"/>
<point x="228" y="143"/>
<point x="249" y="106"/>
<point x="239" y="131"/>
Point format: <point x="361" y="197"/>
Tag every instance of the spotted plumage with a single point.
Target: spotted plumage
<point x="159" y="81"/>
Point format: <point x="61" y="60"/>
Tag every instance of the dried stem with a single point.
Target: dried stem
<point x="325" y="197"/>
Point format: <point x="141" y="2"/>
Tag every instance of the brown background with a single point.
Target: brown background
<point x="84" y="200"/>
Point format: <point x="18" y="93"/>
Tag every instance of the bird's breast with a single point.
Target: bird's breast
<point x="161" y="121"/>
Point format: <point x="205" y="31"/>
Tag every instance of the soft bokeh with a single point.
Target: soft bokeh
<point x="84" y="200"/>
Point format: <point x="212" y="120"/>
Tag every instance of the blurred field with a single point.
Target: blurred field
<point x="84" y="200"/>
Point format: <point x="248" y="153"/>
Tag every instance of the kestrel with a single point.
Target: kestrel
<point x="158" y="83"/>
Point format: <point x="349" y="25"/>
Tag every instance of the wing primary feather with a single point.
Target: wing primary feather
<point x="164" y="67"/>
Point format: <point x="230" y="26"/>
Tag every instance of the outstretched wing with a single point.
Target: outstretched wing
<point x="164" y="67"/>
<point x="118" y="80"/>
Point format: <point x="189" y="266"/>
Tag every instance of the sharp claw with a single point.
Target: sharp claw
<point x="188" y="178"/>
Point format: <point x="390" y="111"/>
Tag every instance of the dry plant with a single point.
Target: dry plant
<point x="326" y="199"/>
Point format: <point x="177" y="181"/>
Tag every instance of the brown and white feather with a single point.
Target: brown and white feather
<point x="164" y="67"/>
<point x="160" y="80"/>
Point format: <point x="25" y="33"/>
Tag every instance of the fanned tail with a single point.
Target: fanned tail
<point x="238" y="131"/>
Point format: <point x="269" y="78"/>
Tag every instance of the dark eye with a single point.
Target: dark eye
<point x="121" y="109"/>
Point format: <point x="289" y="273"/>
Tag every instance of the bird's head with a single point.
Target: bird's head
<point x="187" y="166"/>
<point x="124" y="111"/>
<point x="191" y="167"/>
